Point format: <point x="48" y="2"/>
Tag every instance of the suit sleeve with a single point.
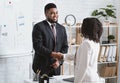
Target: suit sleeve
<point x="38" y="41"/>
<point x="82" y="62"/>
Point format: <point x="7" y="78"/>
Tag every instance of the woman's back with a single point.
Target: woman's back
<point x="86" y="66"/>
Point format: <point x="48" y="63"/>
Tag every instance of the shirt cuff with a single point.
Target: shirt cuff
<point x="64" y="56"/>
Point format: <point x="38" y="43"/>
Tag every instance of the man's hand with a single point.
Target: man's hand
<point x="56" y="64"/>
<point x="57" y="55"/>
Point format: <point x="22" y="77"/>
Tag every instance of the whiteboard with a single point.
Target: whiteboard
<point x="15" y="27"/>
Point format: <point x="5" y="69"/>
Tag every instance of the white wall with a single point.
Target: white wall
<point x="15" y="27"/>
<point x="15" y="69"/>
<point x="79" y="8"/>
<point x="15" y="40"/>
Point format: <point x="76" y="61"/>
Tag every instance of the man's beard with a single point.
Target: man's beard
<point x="51" y="21"/>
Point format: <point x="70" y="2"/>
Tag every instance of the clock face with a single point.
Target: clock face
<point x="70" y="20"/>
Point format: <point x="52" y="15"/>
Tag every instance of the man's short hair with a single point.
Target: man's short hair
<point x="49" y="5"/>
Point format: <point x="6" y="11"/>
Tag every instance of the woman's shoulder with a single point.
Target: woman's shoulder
<point x="86" y="41"/>
<point x="89" y="43"/>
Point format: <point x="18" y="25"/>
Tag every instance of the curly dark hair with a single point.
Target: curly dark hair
<point x="92" y="29"/>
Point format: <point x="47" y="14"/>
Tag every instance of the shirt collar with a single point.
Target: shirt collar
<point x="50" y="23"/>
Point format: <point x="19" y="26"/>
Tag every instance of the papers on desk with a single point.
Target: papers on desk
<point x="54" y="79"/>
<point x="70" y="79"/>
<point x="59" y="79"/>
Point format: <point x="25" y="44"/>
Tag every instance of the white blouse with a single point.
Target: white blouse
<point x="86" y="62"/>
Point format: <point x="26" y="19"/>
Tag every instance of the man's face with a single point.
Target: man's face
<point x="52" y="15"/>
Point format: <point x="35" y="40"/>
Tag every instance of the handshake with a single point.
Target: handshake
<point x="57" y="55"/>
<point x="60" y="56"/>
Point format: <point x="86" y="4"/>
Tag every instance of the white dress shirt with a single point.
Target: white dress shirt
<point x="51" y="27"/>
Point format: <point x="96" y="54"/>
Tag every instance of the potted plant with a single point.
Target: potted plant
<point x="111" y="38"/>
<point x="108" y="11"/>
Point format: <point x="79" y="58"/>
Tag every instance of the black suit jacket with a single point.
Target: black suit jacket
<point x="43" y="44"/>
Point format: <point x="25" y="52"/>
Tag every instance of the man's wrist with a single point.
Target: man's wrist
<point x="52" y="54"/>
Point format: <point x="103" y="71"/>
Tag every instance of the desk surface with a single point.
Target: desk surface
<point x="55" y="79"/>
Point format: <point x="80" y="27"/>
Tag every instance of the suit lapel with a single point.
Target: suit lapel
<point x="49" y="30"/>
<point x="57" y="33"/>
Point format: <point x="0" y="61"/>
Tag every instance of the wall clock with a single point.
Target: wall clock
<point x="70" y="20"/>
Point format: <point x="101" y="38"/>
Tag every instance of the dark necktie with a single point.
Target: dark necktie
<point x="53" y="30"/>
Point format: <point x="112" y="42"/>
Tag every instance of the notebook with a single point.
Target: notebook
<point x="70" y="79"/>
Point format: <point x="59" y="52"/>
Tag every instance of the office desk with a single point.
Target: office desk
<point x="55" y="79"/>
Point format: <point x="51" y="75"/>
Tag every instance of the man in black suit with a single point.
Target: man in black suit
<point x="49" y="43"/>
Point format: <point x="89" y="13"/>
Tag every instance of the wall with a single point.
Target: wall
<point x="79" y="8"/>
<point x="15" y="40"/>
<point x="15" y="69"/>
<point x="15" y="27"/>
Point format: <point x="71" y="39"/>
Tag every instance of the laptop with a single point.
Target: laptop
<point x="70" y="79"/>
